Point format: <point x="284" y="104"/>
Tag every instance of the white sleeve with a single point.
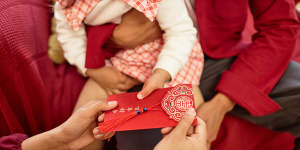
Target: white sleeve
<point x="179" y="37"/>
<point x="72" y="42"/>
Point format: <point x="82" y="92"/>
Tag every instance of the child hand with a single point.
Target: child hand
<point x="112" y="80"/>
<point x="66" y="3"/>
<point x="157" y="80"/>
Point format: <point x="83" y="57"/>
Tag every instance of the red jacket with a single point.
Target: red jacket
<point x="258" y="67"/>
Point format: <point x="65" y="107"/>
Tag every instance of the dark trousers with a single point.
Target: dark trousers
<point x="286" y="93"/>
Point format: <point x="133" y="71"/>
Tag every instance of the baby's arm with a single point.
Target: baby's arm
<point x="179" y="38"/>
<point x="72" y="42"/>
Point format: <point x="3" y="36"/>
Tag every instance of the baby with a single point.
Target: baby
<point x="176" y="58"/>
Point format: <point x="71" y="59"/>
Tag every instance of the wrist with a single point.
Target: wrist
<point x="225" y="103"/>
<point x="58" y="137"/>
<point x="48" y="140"/>
<point x="165" y="75"/>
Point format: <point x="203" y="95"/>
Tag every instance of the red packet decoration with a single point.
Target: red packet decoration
<point x="163" y="108"/>
<point x="177" y="101"/>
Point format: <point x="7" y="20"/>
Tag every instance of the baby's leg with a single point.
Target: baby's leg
<point x="197" y="96"/>
<point x="91" y="92"/>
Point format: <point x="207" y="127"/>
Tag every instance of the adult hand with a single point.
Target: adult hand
<point x="177" y="139"/>
<point x="135" y="29"/>
<point x="75" y="133"/>
<point x="213" y="112"/>
<point x="157" y="80"/>
<point x="112" y="80"/>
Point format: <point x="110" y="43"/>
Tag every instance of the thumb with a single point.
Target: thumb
<point x="88" y="113"/>
<point x="147" y="90"/>
<point x="185" y="123"/>
<point x="110" y="105"/>
<point x="93" y="108"/>
<point x="200" y="130"/>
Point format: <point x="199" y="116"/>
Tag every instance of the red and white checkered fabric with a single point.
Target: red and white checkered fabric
<point x="140" y="61"/>
<point x="81" y="8"/>
<point x="148" y="7"/>
<point x="78" y="11"/>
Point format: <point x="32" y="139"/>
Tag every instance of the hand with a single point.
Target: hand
<point x="112" y="80"/>
<point x="67" y="3"/>
<point x="135" y="29"/>
<point x="75" y="133"/>
<point x="213" y="112"/>
<point x="157" y="80"/>
<point x="177" y="139"/>
<point x="98" y="134"/>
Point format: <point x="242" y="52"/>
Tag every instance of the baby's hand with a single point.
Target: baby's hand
<point x="111" y="80"/>
<point x="157" y="80"/>
<point x="66" y="3"/>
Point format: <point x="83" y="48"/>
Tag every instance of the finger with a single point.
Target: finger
<point x="89" y="113"/>
<point x="96" y="131"/>
<point x="109" y="135"/>
<point x="101" y="118"/>
<point x="99" y="137"/>
<point x="70" y="3"/>
<point x="201" y="126"/>
<point x="93" y="108"/>
<point x="166" y="130"/>
<point x="117" y="91"/>
<point x="200" y="130"/>
<point x="190" y="131"/>
<point x="97" y="134"/>
<point x="183" y="126"/>
<point x="147" y="89"/>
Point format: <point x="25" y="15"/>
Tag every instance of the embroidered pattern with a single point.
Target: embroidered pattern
<point x="128" y="109"/>
<point x="177" y="101"/>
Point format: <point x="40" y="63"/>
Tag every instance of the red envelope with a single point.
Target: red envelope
<point x="163" y="108"/>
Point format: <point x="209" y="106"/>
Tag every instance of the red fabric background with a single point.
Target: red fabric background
<point x="35" y="95"/>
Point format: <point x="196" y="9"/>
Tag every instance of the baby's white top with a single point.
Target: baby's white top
<point x="173" y="18"/>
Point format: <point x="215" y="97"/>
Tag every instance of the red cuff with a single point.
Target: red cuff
<point x="13" y="141"/>
<point x="246" y="95"/>
<point x="96" y="38"/>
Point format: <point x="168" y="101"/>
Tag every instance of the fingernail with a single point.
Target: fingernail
<point x="139" y="96"/>
<point x="191" y="111"/>
<point x="99" y="136"/>
<point x="112" y="103"/>
<point x="97" y="131"/>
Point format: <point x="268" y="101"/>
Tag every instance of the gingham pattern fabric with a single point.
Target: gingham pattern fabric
<point x="78" y="11"/>
<point x="148" y="7"/>
<point x="81" y="8"/>
<point x="63" y="3"/>
<point x="139" y="63"/>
